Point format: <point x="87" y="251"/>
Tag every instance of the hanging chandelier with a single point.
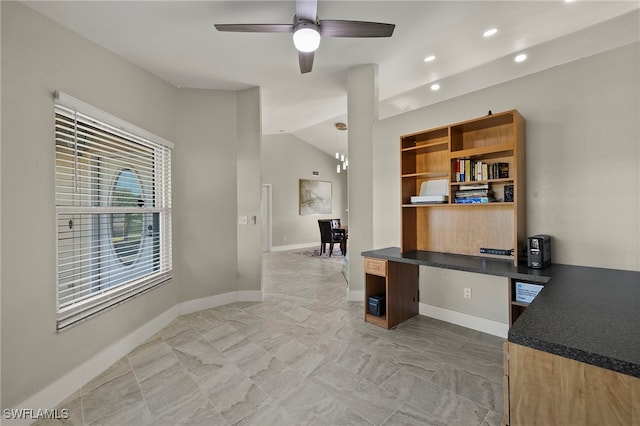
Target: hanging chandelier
<point x="340" y="156"/>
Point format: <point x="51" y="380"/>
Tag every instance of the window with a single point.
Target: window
<point x="113" y="210"/>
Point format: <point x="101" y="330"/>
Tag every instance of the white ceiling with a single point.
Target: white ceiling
<point x="176" y="41"/>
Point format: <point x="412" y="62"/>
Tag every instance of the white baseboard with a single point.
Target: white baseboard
<point x="296" y="246"/>
<point x="355" y="295"/>
<point x="65" y="386"/>
<point x="61" y="389"/>
<point x="465" y="320"/>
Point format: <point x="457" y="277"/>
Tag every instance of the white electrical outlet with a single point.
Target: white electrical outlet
<point x="467" y="293"/>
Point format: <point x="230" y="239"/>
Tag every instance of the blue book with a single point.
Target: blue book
<point x="472" y="200"/>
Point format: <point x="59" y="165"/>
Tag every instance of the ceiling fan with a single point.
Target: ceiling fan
<point x="307" y="30"/>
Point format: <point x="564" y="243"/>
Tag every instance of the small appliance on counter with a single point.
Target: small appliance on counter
<point x="539" y="251"/>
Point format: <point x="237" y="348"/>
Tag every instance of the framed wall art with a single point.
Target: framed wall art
<point x="315" y="197"/>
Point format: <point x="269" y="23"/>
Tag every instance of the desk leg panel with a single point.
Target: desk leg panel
<point x="402" y="292"/>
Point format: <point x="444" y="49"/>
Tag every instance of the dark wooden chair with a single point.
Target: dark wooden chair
<point x="330" y="235"/>
<point x="337" y="227"/>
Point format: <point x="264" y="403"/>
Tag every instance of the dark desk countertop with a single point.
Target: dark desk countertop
<point x="459" y="262"/>
<point x="587" y="314"/>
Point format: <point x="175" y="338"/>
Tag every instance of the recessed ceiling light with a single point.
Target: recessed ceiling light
<point x="435" y="86"/>
<point x="520" y="58"/>
<point x="430" y="58"/>
<point x="490" y="32"/>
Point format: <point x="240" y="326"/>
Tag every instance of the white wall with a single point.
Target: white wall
<point x="249" y="190"/>
<point x="285" y="160"/>
<point x="204" y="193"/>
<point x="38" y="57"/>
<point x="582" y="165"/>
<point x="362" y="89"/>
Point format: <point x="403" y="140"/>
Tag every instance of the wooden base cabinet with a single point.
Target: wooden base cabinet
<point x="547" y="389"/>
<point x="398" y="282"/>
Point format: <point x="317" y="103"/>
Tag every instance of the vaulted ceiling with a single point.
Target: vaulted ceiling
<point x="176" y="41"/>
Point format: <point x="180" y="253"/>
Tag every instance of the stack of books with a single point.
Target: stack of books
<point x="474" y="194"/>
<point x="472" y="170"/>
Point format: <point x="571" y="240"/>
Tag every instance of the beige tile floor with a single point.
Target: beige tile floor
<point x="304" y="356"/>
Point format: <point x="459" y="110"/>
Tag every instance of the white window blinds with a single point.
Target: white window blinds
<point x="113" y="211"/>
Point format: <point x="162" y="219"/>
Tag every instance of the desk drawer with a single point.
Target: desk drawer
<point x="375" y="266"/>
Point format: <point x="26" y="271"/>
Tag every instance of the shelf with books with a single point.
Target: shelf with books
<point x="482" y="192"/>
<point x="491" y="148"/>
<point x="476" y="205"/>
<point x="480" y="169"/>
<point x="457" y="205"/>
<point x="489" y="181"/>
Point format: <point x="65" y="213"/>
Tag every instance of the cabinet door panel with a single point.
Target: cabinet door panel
<point x="548" y="389"/>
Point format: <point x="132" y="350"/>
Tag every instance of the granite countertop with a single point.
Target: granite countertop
<point x="461" y="262"/>
<point x="587" y="314"/>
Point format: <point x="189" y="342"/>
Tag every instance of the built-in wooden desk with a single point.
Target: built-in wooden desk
<point x="401" y="280"/>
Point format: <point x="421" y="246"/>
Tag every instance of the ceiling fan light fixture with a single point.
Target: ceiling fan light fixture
<point x="306" y="29"/>
<point x="306" y="37"/>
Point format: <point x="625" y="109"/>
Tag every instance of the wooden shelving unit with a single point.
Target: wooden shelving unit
<point x="450" y="227"/>
<point x="465" y="228"/>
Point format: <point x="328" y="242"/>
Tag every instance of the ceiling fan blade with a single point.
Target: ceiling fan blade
<point x="306" y="61"/>
<point x="255" y="28"/>
<point x="307" y="9"/>
<point x="339" y="28"/>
